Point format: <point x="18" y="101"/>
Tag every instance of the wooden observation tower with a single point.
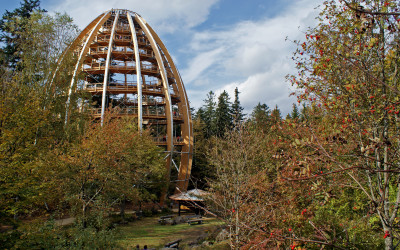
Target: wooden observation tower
<point x="127" y="68"/>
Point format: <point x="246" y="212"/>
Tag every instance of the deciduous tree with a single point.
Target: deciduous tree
<point x="108" y="165"/>
<point x="349" y="66"/>
<point x="243" y="190"/>
<point x="30" y="112"/>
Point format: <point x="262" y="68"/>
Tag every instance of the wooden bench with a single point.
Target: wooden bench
<point x="173" y="244"/>
<point x="163" y="219"/>
<point x="194" y="221"/>
<point x="196" y="216"/>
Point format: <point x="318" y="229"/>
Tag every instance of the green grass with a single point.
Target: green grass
<point x="148" y="231"/>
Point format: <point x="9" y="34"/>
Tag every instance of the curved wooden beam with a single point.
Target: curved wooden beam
<point x="167" y="95"/>
<point x="138" y="71"/>
<point x="187" y="128"/>
<point x="127" y="47"/>
<point x="84" y="50"/>
<point x="106" y="72"/>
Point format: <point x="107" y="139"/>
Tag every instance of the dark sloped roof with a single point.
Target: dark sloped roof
<point x="191" y="195"/>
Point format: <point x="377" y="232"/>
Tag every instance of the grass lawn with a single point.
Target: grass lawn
<point x="148" y="231"/>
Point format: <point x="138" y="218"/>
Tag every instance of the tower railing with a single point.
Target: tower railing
<point x="162" y="140"/>
<point x="148" y="113"/>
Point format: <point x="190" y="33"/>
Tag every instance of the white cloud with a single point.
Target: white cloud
<point x="266" y="87"/>
<point x="252" y="55"/>
<point x="201" y="63"/>
<point x="168" y="16"/>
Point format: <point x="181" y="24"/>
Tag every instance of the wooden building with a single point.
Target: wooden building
<point x="192" y="199"/>
<point x="127" y="68"/>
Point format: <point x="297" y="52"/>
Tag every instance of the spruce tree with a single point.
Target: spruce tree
<point x="12" y="25"/>
<point x="223" y="114"/>
<point x="207" y="114"/>
<point x="237" y="109"/>
<point x="276" y="115"/>
<point x="295" y="112"/>
<point x="260" y="114"/>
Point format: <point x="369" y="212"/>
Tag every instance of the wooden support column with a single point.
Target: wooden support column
<point x="106" y="73"/>
<point x="168" y="104"/>
<point x="138" y="71"/>
<point x="187" y="131"/>
<point x="93" y="32"/>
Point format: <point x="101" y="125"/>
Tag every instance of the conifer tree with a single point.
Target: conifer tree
<point x="237" y="109"/>
<point x="276" y="115"/>
<point x="201" y="169"/>
<point x="260" y="114"/>
<point x="207" y="114"/>
<point x="295" y="114"/>
<point x="12" y="25"/>
<point x="223" y="114"/>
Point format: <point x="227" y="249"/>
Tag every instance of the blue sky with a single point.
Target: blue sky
<point x="217" y="44"/>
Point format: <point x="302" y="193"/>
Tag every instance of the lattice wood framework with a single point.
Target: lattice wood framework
<point x="128" y="68"/>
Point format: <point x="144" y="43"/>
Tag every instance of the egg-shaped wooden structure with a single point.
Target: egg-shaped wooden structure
<point x="127" y="68"/>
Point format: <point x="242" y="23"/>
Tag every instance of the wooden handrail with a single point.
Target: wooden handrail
<point x="134" y="111"/>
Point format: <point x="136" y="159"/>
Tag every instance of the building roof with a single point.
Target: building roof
<point x="191" y="195"/>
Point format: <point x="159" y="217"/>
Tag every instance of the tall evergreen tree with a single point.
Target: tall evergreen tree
<point x="237" y="109"/>
<point x="260" y="114"/>
<point x="12" y="25"/>
<point x="201" y="169"/>
<point x="303" y="113"/>
<point x="276" y="115"/>
<point x="207" y="114"/>
<point x="295" y="114"/>
<point x="199" y="114"/>
<point x="223" y="114"/>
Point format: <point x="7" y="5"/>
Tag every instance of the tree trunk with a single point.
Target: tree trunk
<point x="122" y="209"/>
<point x="237" y="230"/>
<point x="388" y="239"/>
<point x="84" y="215"/>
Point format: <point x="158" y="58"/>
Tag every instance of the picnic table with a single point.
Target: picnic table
<point x="173" y="244"/>
<point x="163" y="219"/>
<point x="196" y="220"/>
